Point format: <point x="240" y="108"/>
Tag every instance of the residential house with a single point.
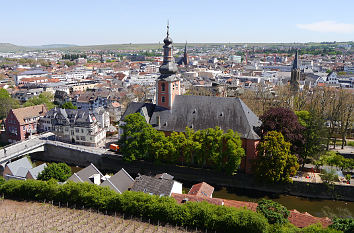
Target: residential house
<point x="161" y="185"/>
<point x="22" y="169"/>
<point x="202" y="189"/>
<point x="61" y="97"/>
<point x="119" y="182"/>
<point x="21" y="123"/>
<point x="77" y="126"/>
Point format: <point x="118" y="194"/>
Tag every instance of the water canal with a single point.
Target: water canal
<point x="315" y="207"/>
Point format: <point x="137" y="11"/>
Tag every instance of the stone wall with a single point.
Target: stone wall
<point x="112" y="163"/>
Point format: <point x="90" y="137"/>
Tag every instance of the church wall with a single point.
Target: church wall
<point x="163" y="94"/>
<point x="250" y="147"/>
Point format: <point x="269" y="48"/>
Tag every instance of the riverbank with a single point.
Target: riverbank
<point x="111" y="163"/>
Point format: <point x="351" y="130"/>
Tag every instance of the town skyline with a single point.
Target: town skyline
<point x="116" y="22"/>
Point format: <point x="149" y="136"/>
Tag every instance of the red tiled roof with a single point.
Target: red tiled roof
<point x="305" y="219"/>
<point x="240" y="204"/>
<point x="202" y="189"/>
<point x="181" y="198"/>
<point x="298" y="219"/>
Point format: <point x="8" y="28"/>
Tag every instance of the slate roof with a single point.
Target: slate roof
<point x="201" y="112"/>
<point x="84" y="174"/>
<point x="135" y="107"/>
<point x="120" y="182"/>
<point x="20" y="167"/>
<point x="152" y="185"/>
<point x="29" y="112"/>
<point x="36" y="170"/>
<point x="165" y="176"/>
<point x="74" y="117"/>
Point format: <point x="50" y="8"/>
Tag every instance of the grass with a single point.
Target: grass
<point x="44" y="217"/>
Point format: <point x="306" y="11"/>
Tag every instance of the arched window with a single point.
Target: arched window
<point x="163" y="87"/>
<point x="163" y="99"/>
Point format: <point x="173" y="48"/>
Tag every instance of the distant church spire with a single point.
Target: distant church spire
<point x="296" y="60"/>
<point x="295" y="74"/>
<point x="185" y="55"/>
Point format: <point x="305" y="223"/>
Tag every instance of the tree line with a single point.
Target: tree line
<point x="330" y="110"/>
<point x="73" y="57"/>
<point x="209" y="148"/>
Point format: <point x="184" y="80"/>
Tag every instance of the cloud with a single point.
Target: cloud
<point x="328" y="26"/>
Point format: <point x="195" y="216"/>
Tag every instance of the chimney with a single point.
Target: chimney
<point x="97" y="179"/>
<point x="158" y="121"/>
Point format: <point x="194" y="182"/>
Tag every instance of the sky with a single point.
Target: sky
<point x="92" y="22"/>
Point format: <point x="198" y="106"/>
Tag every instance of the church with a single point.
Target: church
<point x="174" y="112"/>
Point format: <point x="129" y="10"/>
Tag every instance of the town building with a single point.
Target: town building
<point x="119" y="182"/>
<point x="161" y="185"/>
<point x="30" y="74"/>
<point x="22" y="169"/>
<point x="176" y="112"/>
<point x="21" y="123"/>
<point x="77" y="126"/>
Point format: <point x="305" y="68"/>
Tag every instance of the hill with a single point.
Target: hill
<point x="7" y="47"/>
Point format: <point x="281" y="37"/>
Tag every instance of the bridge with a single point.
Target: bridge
<point x="38" y="143"/>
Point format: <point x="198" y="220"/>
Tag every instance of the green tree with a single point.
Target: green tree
<point x="137" y="138"/>
<point x="58" y="171"/>
<point x="329" y="177"/>
<point x="6" y="103"/>
<point x="231" y="153"/>
<point x="45" y="98"/>
<point x="313" y="139"/>
<point x="274" y="162"/>
<point x="68" y="105"/>
<point x="273" y="211"/>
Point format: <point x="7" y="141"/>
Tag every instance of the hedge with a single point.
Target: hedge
<point x="201" y="215"/>
<point x="163" y="209"/>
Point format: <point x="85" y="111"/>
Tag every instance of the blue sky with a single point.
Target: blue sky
<point x="86" y="22"/>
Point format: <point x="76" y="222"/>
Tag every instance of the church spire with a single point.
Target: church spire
<point x="295" y="74"/>
<point x="296" y="61"/>
<point x="168" y="66"/>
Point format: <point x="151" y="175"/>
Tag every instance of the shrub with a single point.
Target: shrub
<point x="58" y="171"/>
<point x="343" y="224"/>
<point x="273" y="211"/>
<point x="165" y="209"/>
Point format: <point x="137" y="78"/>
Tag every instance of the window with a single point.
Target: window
<point x="163" y="87"/>
<point x="83" y="138"/>
<point x="77" y="138"/>
<point x="163" y="99"/>
<point x="82" y="130"/>
<point x="77" y="131"/>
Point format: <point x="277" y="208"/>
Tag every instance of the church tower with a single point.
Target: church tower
<point x="295" y="75"/>
<point x="185" y="55"/>
<point x="168" y="84"/>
